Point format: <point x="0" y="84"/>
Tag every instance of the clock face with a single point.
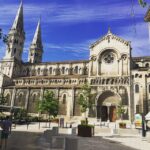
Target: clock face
<point x="109" y="58"/>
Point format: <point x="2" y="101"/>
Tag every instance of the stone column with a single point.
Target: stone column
<point x="118" y="66"/>
<point x="91" y="67"/>
<point x="27" y="98"/>
<point x="72" y="103"/>
<point x="41" y="93"/>
<point x="13" y="97"/>
<point x="108" y="113"/>
<point x="130" y="103"/>
<point x="99" y="68"/>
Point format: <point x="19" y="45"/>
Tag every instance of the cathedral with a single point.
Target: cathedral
<point x="115" y="77"/>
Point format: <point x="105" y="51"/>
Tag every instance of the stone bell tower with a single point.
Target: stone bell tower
<point x="16" y="37"/>
<point x="36" y="48"/>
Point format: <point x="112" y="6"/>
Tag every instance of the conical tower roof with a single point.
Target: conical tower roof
<point x="37" y="36"/>
<point x="18" y="22"/>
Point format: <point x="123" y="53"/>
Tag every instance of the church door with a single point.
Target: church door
<point x="113" y="114"/>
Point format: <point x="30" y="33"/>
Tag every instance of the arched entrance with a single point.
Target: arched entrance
<point x="107" y="104"/>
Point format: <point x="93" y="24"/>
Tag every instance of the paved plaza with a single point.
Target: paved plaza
<point x="32" y="138"/>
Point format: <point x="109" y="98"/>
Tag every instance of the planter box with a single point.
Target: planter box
<point x="85" y="131"/>
<point x="122" y="125"/>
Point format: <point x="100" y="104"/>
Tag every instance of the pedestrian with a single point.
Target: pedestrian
<point x="6" y="130"/>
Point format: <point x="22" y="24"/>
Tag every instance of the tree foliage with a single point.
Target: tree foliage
<point x="48" y="104"/>
<point x="143" y="3"/>
<point x="84" y="98"/>
<point x="121" y="110"/>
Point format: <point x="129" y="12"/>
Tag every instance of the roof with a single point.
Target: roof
<point x="143" y="58"/>
<point x="108" y="35"/>
<point x="59" y="62"/>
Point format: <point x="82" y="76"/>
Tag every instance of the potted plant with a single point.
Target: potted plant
<point x="84" y="129"/>
<point x="121" y="110"/>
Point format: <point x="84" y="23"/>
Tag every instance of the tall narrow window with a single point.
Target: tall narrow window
<point x="136" y="88"/>
<point x="34" y="98"/>
<point x="64" y="99"/>
<point x="50" y="70"/>
<point x="63" y="70"/>
<point x="147" y="65"/>
<point x="76" y="70"/>
<point x="38" y="71"/>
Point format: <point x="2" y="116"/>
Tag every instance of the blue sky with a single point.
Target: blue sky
<point x="70" y="26"/>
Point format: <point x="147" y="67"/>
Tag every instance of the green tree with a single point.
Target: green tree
<point x="143" y="3"/>
<point x="85" y="98"/>
<point x="49" y="104"/>
<point x="121" y="110"/>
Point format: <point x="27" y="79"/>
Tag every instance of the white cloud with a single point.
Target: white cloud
<point x="70" y="13"/>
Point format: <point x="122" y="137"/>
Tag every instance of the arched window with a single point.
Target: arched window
<point x="136" y="88"/>
<point x="34" y="98"/>
<point x="38" y="71"/>
<point x="7" y="99"/>
<point x="20" y="98"/>
<point x="63" y="70"/>
<point x="50" y="70"/>
<point x="14" y="50"/>
<point x="136" y="65"/>
<point x="28" y="71"/>
<point x="76" y="70"/>
<point x="64" y="99"/>
<point x="147" y="65"/>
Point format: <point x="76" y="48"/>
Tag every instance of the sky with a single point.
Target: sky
<point x="69" y="27"/>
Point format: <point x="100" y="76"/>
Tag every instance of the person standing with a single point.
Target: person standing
<point x="6" y="130"/>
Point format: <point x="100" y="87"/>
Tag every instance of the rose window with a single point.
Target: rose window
<point x="109" y="58"/>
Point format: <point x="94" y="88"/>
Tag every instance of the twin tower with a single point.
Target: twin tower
<point x="16" y="38"/>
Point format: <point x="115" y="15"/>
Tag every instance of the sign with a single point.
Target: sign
<point x="148" y="124"/>
<point x="138" y="121"/>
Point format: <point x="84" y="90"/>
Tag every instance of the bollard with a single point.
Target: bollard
<point x="74" y="131"/>
<point x="55" y="130"/>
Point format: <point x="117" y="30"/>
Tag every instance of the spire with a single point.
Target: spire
<point x="18" y="22"/>
<point x="109" y="30"/>
<point x="37" y="36"/>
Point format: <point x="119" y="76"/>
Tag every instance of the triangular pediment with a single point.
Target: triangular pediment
<point x="108" y="37"/>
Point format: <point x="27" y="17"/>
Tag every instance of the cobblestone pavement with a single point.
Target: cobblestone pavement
<point x="35" y="141"/>
<point x="26" y="141"/>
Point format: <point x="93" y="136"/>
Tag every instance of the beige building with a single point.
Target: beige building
<point x="113" y="74"/>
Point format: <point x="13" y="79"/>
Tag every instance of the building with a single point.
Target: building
<point x="113" y="74"/>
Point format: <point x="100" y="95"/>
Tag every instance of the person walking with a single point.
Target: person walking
<point x="6" y="130"/>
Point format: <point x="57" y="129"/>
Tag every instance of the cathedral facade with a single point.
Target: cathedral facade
<point x="114" y="75"/>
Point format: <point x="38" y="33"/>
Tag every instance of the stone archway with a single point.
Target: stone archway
<point x="107" y="104"/>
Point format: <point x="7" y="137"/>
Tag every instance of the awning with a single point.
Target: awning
<point x="147" y="117"/>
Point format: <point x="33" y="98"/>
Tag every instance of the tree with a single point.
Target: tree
<point x="84" y="98"/>
<point x="48" y="104"/>
<point x="143" y="3"/>
<point x="121" y="111"/>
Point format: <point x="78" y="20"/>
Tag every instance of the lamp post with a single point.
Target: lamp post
<point x="143" y="126"/>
